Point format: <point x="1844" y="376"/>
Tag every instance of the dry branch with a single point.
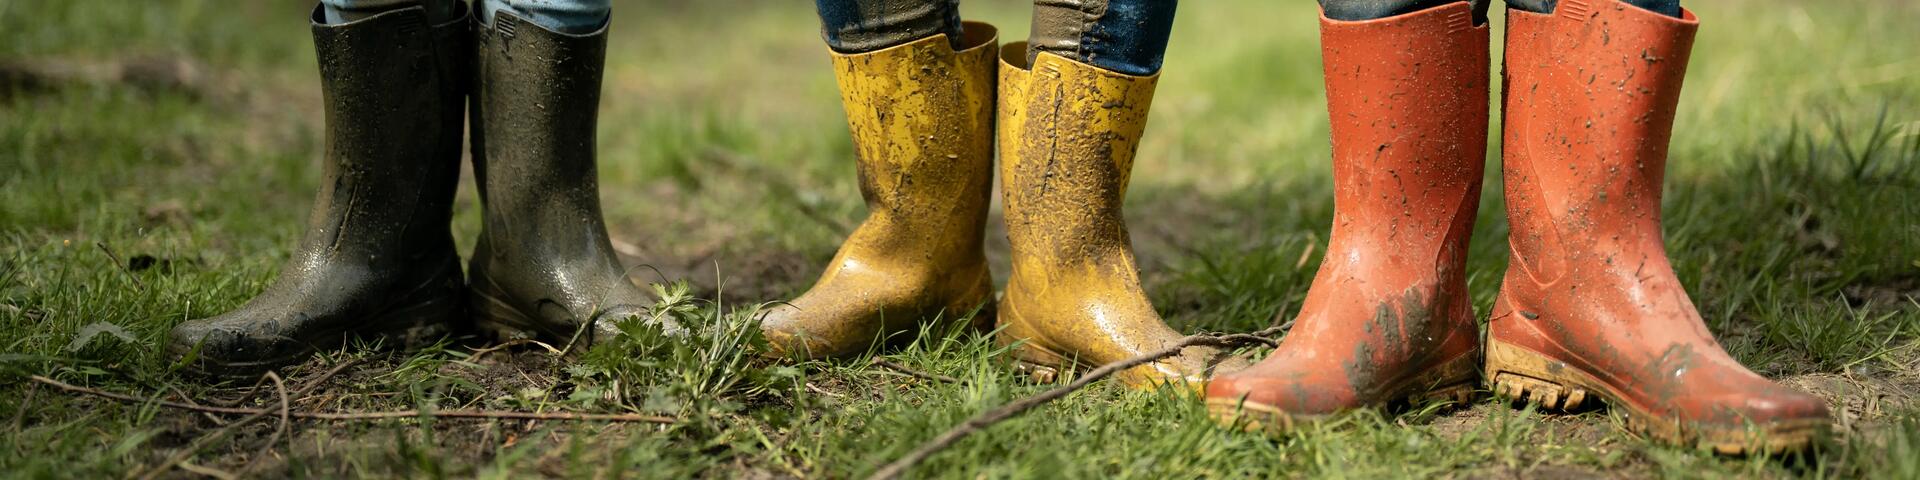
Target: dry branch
<point x="990" y="417"/>
<point x="484" y="414"/>
<point x="286" y="405"/>
<point x="896" y="366"/>
<point x="122" y="266"/>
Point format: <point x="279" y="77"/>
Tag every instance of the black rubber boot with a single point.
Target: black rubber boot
<point x="543" y="267"/>
<point x="377" y="260"/>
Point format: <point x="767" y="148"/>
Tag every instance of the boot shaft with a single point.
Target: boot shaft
<point x="393" y="88"/>
<point x="1068" y="132"/>
<point x="535" y="117"/>
<point x="1407" y="101"/>
<point x="921" y="118"/>
<point x="1591" y="91"/>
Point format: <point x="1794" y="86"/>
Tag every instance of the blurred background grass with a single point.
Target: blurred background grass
<point x="187" y="132"/>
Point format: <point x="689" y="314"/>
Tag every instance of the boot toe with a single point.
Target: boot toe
<point x="1775" y="406"/>
<point x="787" y="334"/>
<point x="1283" y="392"/>
<point x="221" y="346"/>
<point x="191" y="335"/>
<point x="1194" y="368"/>
<point x="1273" y="395"/>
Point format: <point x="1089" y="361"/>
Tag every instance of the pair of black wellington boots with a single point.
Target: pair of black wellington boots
<point x="377" y="262"/>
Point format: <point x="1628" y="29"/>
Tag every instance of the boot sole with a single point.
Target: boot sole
<point x="1452" y="381"/>
<point x="1042" y="365"/>
<point x="500" y="321"/>
<point x="411" y="327"/>
<point x="1519" y="373"/>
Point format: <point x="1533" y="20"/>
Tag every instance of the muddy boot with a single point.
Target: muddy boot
<point x="377" y="261"/>
<point x="1388" y="316"/>
<point x="922" y="121"/>
<point x="1067" y="133"/>
<point x="1590" y="305"/>
<point x="543" y="268"/>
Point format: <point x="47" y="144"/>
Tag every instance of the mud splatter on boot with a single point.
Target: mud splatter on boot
<point x="1387" y="317"/>
<point x="377" y="261"/>
<point x="1590" y="306"/>
<point x="921" y="115"/>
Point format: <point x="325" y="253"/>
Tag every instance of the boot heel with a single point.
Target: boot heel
<point x="1036" y="362"/>
<point x="1517" y="373"/>
<point x="428" y="314"/>
<point x="418" y="325"/>
<point x="1453" y="382"/>
<point x="499" y="321"/>
<point x="1040" y="364"/>
<point x="986" y="304"/>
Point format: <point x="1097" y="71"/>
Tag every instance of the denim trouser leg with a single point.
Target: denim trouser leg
<point x="340" y="11"/>
<point x="564" y="16"/>
<point x="1354" y="10"/>
<point x="859" y="26"/>
<point x="1669" y="8"/>
<point x="1127" y="36"/>
<point x="568" y="16"/>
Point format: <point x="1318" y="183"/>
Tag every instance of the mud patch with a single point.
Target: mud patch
<point x="1860" y="400"/>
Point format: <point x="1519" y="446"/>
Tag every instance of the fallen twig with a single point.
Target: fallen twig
<point x="815" y="389"/>
<point x="20" y="416"/>
<point x="286" y="404"/>
<point x="486" y="414"/>
<point x="895" y="366"/>
<point x="189" y="399"/>
<point x="179" y="456"/>
<point x="990" y="417"/>
<point x="207" y="471"/>
<point x="315" y="382"/>
<point x="481" y="352"/>
<point x="122" y="266"/>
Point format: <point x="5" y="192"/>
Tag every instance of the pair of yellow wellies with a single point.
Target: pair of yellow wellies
<point x="924" y="118"/>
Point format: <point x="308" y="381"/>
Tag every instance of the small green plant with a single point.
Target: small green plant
<point x="686" y="358"/>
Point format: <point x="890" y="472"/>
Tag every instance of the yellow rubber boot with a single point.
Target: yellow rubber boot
<point x="921" y="115"/>
<point x="1067" y="136"/>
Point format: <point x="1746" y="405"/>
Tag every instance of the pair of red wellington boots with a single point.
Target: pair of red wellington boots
<point x="1590" y="306"/>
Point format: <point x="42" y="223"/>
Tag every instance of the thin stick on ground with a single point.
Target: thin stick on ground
<point x="477" y="353"/>
<point x="122" y="265"/>
<point x="481" y="414"/>
<point x="207" y="471"/>
<point x="179" y="459"/>
<point x="191" y="448"/>
<point x="896" y="366"/>
<point x="304" y="390"/>
<point x="20" y="416"/>
<point x="990" y="417"/>
<point x="286" y="404"/>
<point x="315" y="382"/>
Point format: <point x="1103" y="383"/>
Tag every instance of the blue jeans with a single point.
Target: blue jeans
<point x="566" y="16"/>
<point x="1353" y="10"/>
<point x="859" y="26"/>
<point x="1128" y="36"/>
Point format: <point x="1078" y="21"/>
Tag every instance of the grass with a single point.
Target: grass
<point x="183" y="136"/>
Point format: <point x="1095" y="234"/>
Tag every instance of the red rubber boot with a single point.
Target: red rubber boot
<point x="1590" y="305"/>
<point x="1388" y="315"/>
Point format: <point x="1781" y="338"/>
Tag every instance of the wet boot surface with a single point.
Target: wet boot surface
<point x="544" y="267"/>
<point x="1590" y="306"/>
<point x="1388" y="317"/>
<point x="377" y="261"/>
<point x="1067" y="134"/>
<point x="921" y="115"/>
